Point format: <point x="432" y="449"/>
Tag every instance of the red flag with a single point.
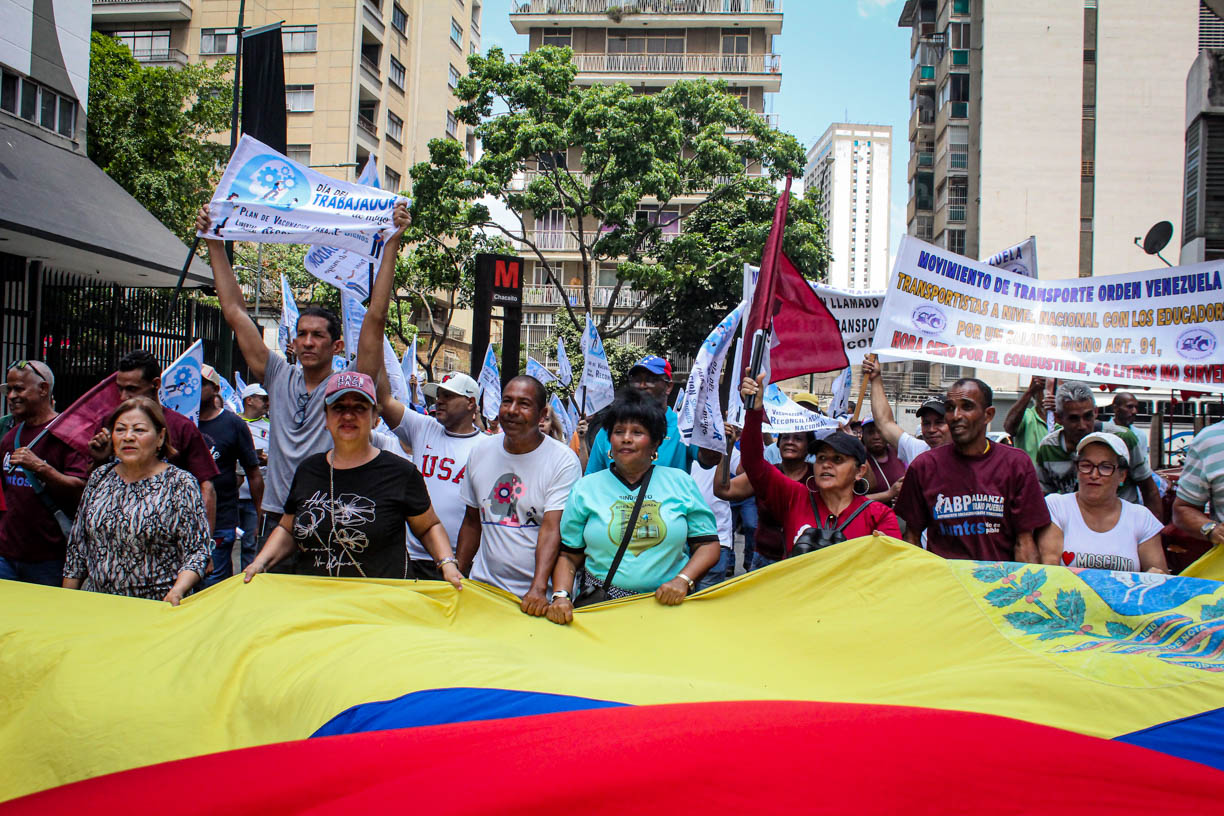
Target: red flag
<point x="77" y="425"/>
<point x="806" y="338"/>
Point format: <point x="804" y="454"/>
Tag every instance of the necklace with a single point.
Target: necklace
<point x="331" y="508"/>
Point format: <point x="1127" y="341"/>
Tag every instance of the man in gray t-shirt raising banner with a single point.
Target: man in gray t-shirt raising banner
<point x="295" y="392"/>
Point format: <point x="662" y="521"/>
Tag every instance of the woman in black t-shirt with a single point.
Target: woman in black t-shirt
<point x="347" y="508"/>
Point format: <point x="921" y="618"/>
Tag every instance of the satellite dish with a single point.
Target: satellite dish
<point x="1157" y="237"/>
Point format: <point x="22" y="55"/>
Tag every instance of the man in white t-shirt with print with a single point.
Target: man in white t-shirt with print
<point x="516" y="486"/>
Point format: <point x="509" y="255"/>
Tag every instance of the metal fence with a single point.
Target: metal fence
<point x="82" y="327"/>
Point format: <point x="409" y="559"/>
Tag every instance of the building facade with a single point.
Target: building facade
<point x="648" y="45"/>
<point x="850" y="166"/>
<point x="1047" y="118"/>
<point x="367" y="77"/>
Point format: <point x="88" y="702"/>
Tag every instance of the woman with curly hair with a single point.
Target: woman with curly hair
<point x="673" y="540"/>
<point x="347" y="507"/>
<point x="141" y="529"/>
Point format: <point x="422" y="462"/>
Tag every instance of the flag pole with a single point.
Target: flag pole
<point x="858" y="406"/>
<point x="774" y="246"/>
<point x="195" y="244"/>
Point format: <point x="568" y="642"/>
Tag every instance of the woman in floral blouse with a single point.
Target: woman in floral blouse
<point x="141" y="529"/>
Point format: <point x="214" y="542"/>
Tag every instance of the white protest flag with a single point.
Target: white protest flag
<point x="735" y="402"/>
<point x="490" y="386"/>
<point x="180" y="383"/>
<point x="229" y="396"/>
<point x="536" y="369"/>
<point x="700" y="418"/>
<point x="346" y="270"/>
<point x="840" y="404"/>
<point x="353" y="313"/>
<point x="564" y="372"/>
<point x="411" y="369"/>
<point x="787" y="416"/>
<point x="558" y="409"/>
<point x="289" y="317"/>
<point x="266" y="197"/>
<point x="1160" y="328"/>
<point x="596" y="388"/>
<point x="1021" y="259"/>
<point x="239" y="385"/>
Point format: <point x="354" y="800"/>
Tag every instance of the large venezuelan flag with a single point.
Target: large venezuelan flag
<point x="95" y="684"/>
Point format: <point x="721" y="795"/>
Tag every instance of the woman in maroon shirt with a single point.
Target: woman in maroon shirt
<point x="770" y="544"/>
<point x="840" y="463"/>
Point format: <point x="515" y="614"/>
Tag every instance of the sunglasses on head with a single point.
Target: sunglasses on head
<point x="28" y="365"/>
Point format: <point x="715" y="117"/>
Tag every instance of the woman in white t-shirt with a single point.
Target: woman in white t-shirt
<point x="1092" y="526"/>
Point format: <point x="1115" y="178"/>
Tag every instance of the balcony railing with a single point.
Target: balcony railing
<point x="562" y="241"/>
<point x="160" y="56"/>
<point x="453" y="332"/>
<point x="676" y="63"/>
<point x="368" y="126"/>
<point x="369" y="64"/>
<point x="646" y="6"/>
<point x="600" y="297"/>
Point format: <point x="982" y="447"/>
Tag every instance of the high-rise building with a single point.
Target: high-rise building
<point x="1058" y="119"/>
<point x="850" y="166"/>
<point x="366" y="77"/>
<point x="649" y="44"/>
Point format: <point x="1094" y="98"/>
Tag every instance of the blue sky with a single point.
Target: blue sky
<point x="842" y="60"/>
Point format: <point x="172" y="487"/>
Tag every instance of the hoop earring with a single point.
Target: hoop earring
<point x="610" y="456"/>
<point x="866" y="486"/>
<point x="654" y="455"/>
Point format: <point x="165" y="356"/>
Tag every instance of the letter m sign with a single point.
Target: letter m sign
<point x="506" y="273"/>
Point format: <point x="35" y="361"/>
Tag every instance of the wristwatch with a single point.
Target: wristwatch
<point x="560" y="593"/>
<point x="1208" y="528"/>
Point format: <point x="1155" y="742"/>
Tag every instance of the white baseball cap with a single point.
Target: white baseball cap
<point x="254" y="390"/>
<point x="456" y="382"/>
<point x="1112" y="440"/>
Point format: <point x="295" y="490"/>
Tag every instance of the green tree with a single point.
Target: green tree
<point x="621" y="356"/>
<point x="660" y="147"/>
<point x="149" y="129"/>
<point x="706" y="264"/>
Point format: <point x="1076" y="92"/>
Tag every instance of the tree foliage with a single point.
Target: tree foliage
<point x="663" y="147"/>
<point x="706" y="264"/>
<point x="621" y="356"/>
<point x="149" y="129"/>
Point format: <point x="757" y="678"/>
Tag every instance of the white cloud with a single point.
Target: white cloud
<point x="867" y="8"/>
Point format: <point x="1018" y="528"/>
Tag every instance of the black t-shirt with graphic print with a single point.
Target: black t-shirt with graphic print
<point x="351" y="524"/>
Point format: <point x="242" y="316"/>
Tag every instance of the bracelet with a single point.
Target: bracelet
<point x="690" y="581"/>
<point x="560" y="593"/>
<point x="450" y="559"/>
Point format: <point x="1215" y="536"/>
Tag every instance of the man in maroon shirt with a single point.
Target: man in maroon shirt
<point x="974" y="499"/>
<point x="32" y="540"/>
<point x="139" y="376"/>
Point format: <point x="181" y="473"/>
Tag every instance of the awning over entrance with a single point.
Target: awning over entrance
<point x="59" y="207"/>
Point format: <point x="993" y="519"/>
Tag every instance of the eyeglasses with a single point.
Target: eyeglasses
<point x="28" y="365"/>
<point x="1103" y="468"/>
<point x="303" y="401"/>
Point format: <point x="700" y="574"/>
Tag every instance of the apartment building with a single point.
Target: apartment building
<point x="362" y="78"/>
<point x="1063" y="120"/>
<point x="850" y="165"/>
<point x="649" y="44"/>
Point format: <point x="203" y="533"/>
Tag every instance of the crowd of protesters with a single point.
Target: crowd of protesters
<point x="303" y="482"/>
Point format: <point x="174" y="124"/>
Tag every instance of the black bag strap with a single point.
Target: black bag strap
<point x="854" y="515"/>
<point x="40" y="490"/>
<point x="844" y="524"/>
<point x="629" y="528"/>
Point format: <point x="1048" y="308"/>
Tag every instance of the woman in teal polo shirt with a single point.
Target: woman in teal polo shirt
<point x="673" y="522"/>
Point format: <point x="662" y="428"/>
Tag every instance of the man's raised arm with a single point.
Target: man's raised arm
<point x="881" y="410"/>
<point x="370" y="341"/>
<point x="233" y="304"/>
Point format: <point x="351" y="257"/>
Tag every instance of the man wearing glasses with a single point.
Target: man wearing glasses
<point x="1075" y="409"/>
<point x="297" y="428"/>
<point x="43" y="479"/>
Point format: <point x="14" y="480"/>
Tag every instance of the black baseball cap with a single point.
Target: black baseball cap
<point x="933" y="404"/>
<point x="846" y="444"/>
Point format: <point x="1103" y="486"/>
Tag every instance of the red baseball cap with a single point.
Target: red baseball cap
<point x="350" y="382"/>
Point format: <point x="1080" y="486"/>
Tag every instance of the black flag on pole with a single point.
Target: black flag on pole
<point x="263" y="86"/>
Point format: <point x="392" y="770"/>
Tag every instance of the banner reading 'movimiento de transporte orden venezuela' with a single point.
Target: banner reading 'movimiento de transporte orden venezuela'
<point x="1161" y="328"/>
